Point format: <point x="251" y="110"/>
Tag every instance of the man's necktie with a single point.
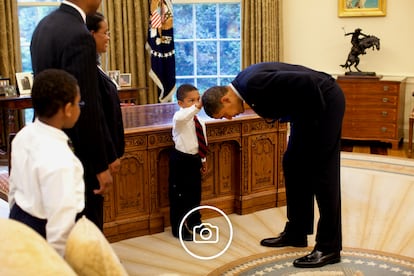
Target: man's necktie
<point x="202" y="145"/>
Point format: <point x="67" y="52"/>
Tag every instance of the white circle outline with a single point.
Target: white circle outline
<point x="181" y="235"/>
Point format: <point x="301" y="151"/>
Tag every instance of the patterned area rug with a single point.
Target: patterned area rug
<point x="354" y="262"/>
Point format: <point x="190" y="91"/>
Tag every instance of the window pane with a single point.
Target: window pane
<point x="207" y="58"/>
<point x="26" y="58"/>
<point x="183" y="21"/>
<point x="206" y="21"/>
<point x="204" y="83"/>
<point x="230" y="21"/>
<point x="230" y="57"/>
<point x="29" y="17"/>
<point x="183" y="81"/>
<point x="184" y="58"/>
<point x="207" y="41"/>
<point x="225" y="81"/>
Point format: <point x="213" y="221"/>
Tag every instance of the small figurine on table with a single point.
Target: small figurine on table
<point x="360" y="42"/>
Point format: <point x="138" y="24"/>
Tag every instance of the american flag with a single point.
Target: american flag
<point x="156" y="20"/>
<point x="160" y="45"/>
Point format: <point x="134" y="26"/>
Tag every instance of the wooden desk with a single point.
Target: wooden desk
<point x="244" y="169"/>
<point x="10" y="105"/>
<point x="130" y="94"/>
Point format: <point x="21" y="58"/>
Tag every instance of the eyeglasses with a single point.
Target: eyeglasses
<point x="107" y="33"/>
<point x="81" y="104"/>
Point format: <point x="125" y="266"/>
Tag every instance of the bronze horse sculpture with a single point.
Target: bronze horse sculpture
<point x="369" y="41"/>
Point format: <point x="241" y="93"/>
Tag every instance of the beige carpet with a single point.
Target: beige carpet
<point x="378" y="214"/>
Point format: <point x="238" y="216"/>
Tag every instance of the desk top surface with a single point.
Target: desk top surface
<point x="160" y="116"/>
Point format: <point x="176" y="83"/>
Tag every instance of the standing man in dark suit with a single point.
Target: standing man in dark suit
<point x="61" y="40"/>
<point x="315" y="105"/>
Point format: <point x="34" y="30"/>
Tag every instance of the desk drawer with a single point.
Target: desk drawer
<point x="384" y="101"/>
<point x="368" y="130"/>
<point x="370" y="114"/>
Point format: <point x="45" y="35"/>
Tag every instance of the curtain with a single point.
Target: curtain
<point x="128" y="24"/>
<point x="10" y="60"/>
<point x="261" y="31"/>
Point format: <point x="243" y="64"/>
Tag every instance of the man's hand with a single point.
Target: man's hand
<point x="105" y="182"/>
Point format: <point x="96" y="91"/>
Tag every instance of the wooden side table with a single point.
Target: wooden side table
<point x="410" y="134"/>
<point x="374" y="108"/>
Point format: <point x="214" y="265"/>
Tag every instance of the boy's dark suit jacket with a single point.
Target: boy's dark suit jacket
<point x="61" y="40"/>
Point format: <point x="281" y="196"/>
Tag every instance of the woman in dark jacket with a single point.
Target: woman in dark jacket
<point x="98" y="27"/>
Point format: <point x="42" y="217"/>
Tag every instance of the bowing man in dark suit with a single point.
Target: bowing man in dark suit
<point x="314" y="105"/>
<point x="61" y="40"/>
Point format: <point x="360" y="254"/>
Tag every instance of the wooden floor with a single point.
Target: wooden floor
<point x="162" y="254"/>
<point x="373" y="147"/>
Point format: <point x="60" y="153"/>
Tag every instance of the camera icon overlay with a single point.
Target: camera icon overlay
<point x="208" y="233"/>
<point x="208" y="237"/>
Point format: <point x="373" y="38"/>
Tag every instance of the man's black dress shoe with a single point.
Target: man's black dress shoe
<point x="285" y="240"/>
<point x="317" y="259"/>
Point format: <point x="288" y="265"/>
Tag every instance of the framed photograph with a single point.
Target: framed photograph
<point x="125" y="80"/>
<point x="114" y="76"/>
<point x="4" y="82"/>
<point x="24" y="82"/>
<point x="361" y="8"/>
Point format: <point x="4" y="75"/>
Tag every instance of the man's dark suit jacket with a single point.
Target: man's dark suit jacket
<point x="276" y="90"/>
<point x="61" y="40"/>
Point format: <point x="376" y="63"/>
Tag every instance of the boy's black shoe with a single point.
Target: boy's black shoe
<point x="198" y="228"/>
<point x="185" y="236"/>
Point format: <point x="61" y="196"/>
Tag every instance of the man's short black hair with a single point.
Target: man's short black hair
<point x="212" y="99"/>
<point x="53" y="89"/>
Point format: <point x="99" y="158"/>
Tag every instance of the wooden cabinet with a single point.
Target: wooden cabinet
<point x="374" y="108"/>
<point x="244" y="169"/>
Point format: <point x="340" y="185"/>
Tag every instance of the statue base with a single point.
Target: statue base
<point x="360" y="74"/>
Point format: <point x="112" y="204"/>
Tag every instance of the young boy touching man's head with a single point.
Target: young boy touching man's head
<point x="187" y="162"/>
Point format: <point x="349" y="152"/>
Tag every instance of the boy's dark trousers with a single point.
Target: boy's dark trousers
<point x="184" y="189"/>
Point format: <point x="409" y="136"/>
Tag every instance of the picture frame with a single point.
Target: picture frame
<point x="4" y="82"/>
<point x="125" y="80"/>
<point x="351" y="8"/>
<point x="114" y="76"/>
<point x="24" y="82"/>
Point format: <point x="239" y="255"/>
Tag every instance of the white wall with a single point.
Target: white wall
<point x="313" y="35"/>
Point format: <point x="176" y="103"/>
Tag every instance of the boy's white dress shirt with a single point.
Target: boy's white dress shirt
<point x="46" y="179"/>
<point x="184" y="134"/>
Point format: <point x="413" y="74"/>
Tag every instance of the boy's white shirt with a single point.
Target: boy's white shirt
<point x="46" y="179"/>
<point x="183" y="132"/>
